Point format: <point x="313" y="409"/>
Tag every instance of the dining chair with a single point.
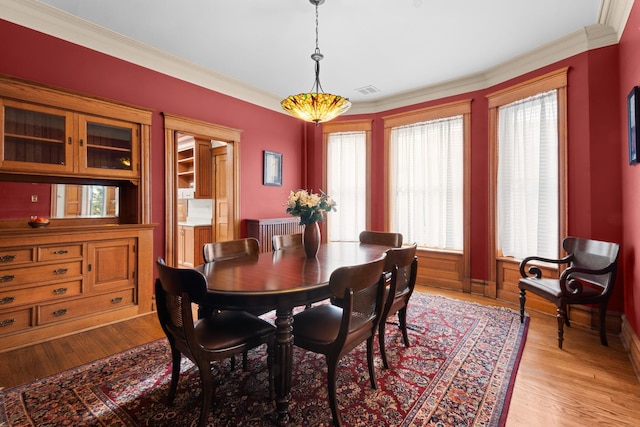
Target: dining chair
<point x="219" y="336"/>
<point x="335" y="330"/>
<point x="284" y="241"/>
<point x="219" y="251"/>
<point x="381" y="238"/>
<point x="225" y="250"/>
<point x="588" y="278"/>
<point x="399" y="292"/>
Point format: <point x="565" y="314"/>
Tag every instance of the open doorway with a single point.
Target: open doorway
<point x="201" y="195"/>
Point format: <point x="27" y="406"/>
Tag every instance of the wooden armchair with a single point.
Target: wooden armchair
<point x="588" y="279"/>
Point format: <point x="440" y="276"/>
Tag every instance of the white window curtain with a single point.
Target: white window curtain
<point x="426" y="182"/>
<point x="346" y="184"/>
<point x="527" y="186"/>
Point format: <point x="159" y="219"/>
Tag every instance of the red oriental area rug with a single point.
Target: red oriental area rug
<point x="459" y="371"/>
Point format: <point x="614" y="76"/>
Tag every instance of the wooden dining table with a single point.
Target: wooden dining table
<point x="280" y="280"/>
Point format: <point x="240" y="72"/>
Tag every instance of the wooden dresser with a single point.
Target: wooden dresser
<point x="57" y="281"/>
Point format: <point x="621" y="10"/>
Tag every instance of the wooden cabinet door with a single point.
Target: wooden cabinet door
<point x="108" y="147"/>
<point x="35" y="139"/>
<point x="111" y="264"/>
<point x="203" y="169"/>
<point x="180" y="246"/>
<point x="188" y="260"/>
<point x="221" y="207"/>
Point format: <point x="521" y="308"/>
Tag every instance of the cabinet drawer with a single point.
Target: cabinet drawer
<point x="15" y="321"/>
<point x="39" y="293"/>
<point x="59" y="252"/>
<point x="66" y="310"/>
<point x="10" y="257"/>
<point x="41" y="273"/>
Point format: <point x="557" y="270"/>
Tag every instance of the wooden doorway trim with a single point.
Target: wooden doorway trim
<point x="172" y="125"/>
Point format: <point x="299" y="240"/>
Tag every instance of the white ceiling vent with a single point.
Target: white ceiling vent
<point x="368" y="90"/>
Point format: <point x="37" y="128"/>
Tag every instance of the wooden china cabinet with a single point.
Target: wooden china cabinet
<point x="86" y="270"/>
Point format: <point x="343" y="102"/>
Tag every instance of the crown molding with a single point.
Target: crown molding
<point x="38" y="16"/>
<point x="54" y="22"/>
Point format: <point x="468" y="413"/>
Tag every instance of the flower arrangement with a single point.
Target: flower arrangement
<point x="309" y="206"/>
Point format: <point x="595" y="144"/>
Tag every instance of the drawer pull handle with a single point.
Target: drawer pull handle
<point x="61" y="252"/>
<point x="7" y="258"/>
<point x="7" y="322"/>
<point x="60" y="291"/>
<point x="60" y="312"/>
<point x="7" y="300"/>
<point x="116" y="300"/>
<point x="7" y="278"/>
<point x="60" y="271"/>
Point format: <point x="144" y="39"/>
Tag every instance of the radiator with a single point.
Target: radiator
<point x="265" y="229"/>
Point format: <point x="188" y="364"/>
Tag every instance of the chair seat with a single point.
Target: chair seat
<point x="319" y="324"/>
<point x="229" y="329"/>
<point x="551" y="288"/>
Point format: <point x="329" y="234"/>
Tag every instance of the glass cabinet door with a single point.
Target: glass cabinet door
<point x="108" y="146"/>
<point x="36" y="138"/>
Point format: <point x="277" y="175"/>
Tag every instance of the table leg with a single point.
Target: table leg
<point x="283" y="363"/>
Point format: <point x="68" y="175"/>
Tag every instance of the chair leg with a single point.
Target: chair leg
<point x="603" y="321"/>
<point x="523" y="300"/>
<point x="207" y="393"/>
<point x="561" y="316"/>
<point x="176" y="358"/>
<point x="383" y="352"/>
<point x="244" y="360"/>
<point x="402" y="324"/>
<point x="332" y="365"/>
<point x="566" y="315"/>
<point x="372" y="371"/>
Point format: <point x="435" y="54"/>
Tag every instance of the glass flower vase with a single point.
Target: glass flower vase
<point x="311" y="239"/>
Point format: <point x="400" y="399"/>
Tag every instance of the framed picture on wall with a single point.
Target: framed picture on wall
<point x="633" y="110"/>
<point x="272" y="173"/>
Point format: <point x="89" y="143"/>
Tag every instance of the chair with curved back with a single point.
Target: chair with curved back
<point x="381" y="238"/>
<point x="225" y="250"/>
<point x="335" y="330"/>
<point x="216" y="337"/>
<point x="229" y="249"/>
<point x="588" y="278"/>
<point x="284" y="241"/>
<point x="400" y="290"/>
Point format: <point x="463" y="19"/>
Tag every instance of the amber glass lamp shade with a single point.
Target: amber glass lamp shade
<point x="315" y="107"/>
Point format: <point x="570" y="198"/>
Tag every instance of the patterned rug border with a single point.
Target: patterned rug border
<point x="495" y="418"/>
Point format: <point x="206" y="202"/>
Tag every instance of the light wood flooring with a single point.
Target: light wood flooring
<point x="585" y="384"/>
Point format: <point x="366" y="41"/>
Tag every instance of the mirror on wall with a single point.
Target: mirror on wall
<point x="22" y="200"/>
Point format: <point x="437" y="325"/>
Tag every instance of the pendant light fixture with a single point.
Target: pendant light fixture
<point x="316" y="106"/>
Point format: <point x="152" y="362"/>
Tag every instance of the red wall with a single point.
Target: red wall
<point x="34" y="56"/>
<point x="596" y="134"/>
<point x="594" y="187"/>
<point x="629" y="47"/>
<point x="17" y="204"/>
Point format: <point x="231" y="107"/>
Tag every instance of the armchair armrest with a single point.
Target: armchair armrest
<point x="534" y="270"/>
<point x="573" y="286"/>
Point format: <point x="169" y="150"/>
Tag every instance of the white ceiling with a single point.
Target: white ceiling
<point x="259" y="50"/>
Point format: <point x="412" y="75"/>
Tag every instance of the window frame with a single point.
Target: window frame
<point x="554" y="80"/>
<point x="347" y="126"/>
<point x="441" y="111"/>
